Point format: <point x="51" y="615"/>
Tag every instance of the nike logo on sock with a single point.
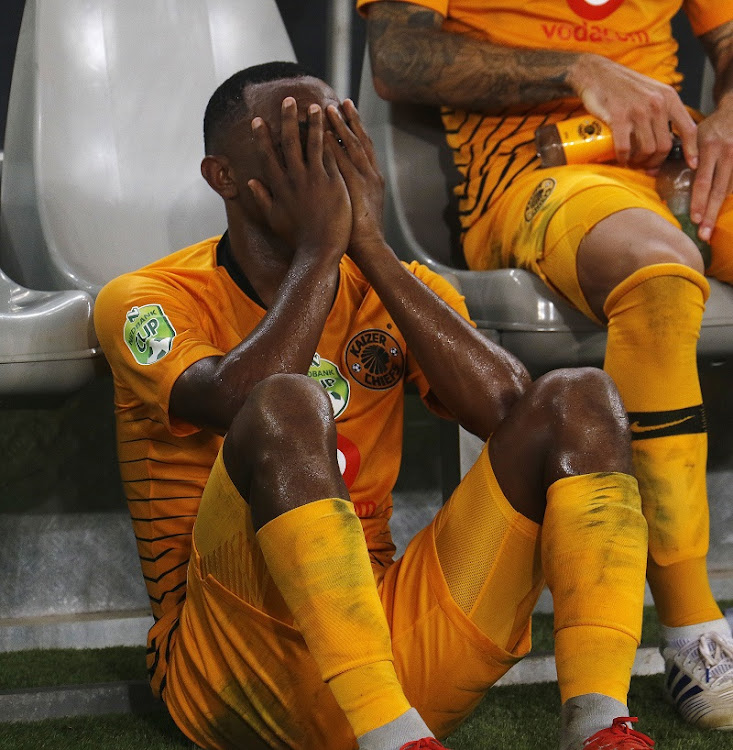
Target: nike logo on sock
<point x="653" y="424"/>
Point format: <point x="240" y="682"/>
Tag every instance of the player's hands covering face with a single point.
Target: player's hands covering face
<point x="358" y="165"/>
<point x="303" y="196"/>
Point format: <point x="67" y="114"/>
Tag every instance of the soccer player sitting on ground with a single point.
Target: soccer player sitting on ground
<point x="599" y="235"/>
<point x="259" y="390"/>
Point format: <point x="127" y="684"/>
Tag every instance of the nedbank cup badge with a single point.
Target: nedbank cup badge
<point x="374" y="359"/>
<point x="335" y="384"/>
<point x="148" y="333"/>
<point x="538" y="198"/>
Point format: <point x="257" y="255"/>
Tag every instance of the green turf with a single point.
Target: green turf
<point x="125" y="732"/>
<point x="42" y="668"/>
<point x="521" y="717"/>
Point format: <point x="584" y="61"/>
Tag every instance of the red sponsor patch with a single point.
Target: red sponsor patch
<point x="594" y="10"/>
<point x="349" y="459"/>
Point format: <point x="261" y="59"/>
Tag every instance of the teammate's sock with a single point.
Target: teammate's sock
<point x="584" y="715"/>
<point x="317" y="557"/>
<point x="693" y="632"/>
<point x="594" y="548"/>
<point x="654" y="321"/>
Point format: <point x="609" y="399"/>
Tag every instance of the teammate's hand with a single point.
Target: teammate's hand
<point x="303" y="196"/>
<point x="714" y="178"/>
<point x="354" y="154"/>
<point x="638" y="109"/>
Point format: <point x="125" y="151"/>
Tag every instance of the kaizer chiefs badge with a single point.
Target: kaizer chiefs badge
<point x="374" y="359"/>
<point x="538" y="198"/>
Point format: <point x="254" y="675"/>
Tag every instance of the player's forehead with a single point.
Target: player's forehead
<point x="265" y="99"/>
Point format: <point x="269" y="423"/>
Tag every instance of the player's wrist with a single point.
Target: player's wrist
<point x="583" y="71"/>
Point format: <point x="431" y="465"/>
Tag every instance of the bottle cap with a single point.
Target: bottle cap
<point x="676" y="151"/>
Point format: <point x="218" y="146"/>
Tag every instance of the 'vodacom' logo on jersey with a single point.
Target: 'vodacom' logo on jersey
<point x="594" y="10"/>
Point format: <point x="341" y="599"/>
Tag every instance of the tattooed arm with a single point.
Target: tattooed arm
<point x="714" y="179"/>
<point x="414" y="59"/>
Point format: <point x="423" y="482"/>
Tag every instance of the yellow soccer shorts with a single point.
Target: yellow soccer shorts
<point x="239" y="673"/>
<point x="539" y="222"/>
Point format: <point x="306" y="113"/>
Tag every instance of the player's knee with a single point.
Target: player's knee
<point x="588" y="422"/>
<point x="670" y="246"/>
<point x="281" y="409"/>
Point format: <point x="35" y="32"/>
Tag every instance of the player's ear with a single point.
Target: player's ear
<point x="217" y="171"/>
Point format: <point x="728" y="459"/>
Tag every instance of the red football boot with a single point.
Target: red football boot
<point x="427" y="743"/>
<point x="619" y="736"/>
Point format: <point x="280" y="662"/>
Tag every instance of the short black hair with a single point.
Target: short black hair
<point x="228" y="104"/>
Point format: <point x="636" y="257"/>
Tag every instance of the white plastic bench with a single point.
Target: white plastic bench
<point x="101" y="168"/>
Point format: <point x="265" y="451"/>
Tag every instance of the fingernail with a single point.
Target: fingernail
<point x="288" y="102"/>
<point x="257" y="123"/>
<point x="696" y="217"/>
<point x="314" y="109"/>
<point x="705" y="233"/>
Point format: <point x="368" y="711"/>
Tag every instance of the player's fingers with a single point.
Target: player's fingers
<point x="686" y="128"/>
<point x="702" y="185"/>
<point x="354" y="120"/>
<point x="315" y="135"/>
<point x="341" y="159"/>
<point x="261" y="195"/>
<point x="622" y="142"/>
<point x="347" y="137"/>
<point x="643" y="144"/>
<point x="266" y="151"/>
<point x="722" y="184"/>
<point x="290" y="134"/>
<point x="331" y="150"/>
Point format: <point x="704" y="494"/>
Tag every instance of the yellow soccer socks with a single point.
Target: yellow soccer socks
<point x="317" y="557"/>
<point x="594" y="547"/>
<point x="654" y="321"/>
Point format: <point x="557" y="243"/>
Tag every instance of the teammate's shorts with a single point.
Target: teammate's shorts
<point x="239" y="673"/>
<point x="540" y="220"/>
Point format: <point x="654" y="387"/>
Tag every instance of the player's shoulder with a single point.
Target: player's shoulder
<point x="194" y="259"/>
<point x="159" y="279"/>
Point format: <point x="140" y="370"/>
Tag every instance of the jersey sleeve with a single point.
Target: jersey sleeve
<point x="439" y="6"/>
<point x="706" y="15"/>
<point x="448" y="293"/>
<point x="150" y="334"/>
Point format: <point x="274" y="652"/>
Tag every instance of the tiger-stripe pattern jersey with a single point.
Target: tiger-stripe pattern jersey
<point x="156" y="322"/>
<point x="491" y="151"/>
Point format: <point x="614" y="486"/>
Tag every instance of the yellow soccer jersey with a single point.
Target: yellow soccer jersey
<point x="156" y="322"/>
<point x="491" y="152"/>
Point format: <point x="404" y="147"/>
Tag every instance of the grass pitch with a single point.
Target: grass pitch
<point x="521" y="717"/>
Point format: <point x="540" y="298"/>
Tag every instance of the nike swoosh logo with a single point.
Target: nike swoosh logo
<point x="636" y="427"/>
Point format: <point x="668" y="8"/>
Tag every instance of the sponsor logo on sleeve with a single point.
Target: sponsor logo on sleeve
<point x="374" y="359"/>
<point x="148" y="333"/>
<point x="335" y="384"/>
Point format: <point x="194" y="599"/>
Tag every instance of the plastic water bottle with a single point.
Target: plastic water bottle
<point x="580" y="140"/>
<point x="674" y="186"/>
